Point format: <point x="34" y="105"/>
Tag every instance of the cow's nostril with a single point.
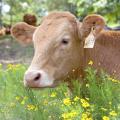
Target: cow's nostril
<point x="37" y="77"/>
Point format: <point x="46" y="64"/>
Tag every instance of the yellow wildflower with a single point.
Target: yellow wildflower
<point x="113" y="80"/>
<point x="106" y="118"/>
<point x="31" y="107"/>
<point x="72" y="102"/>
<point x="67" y="101"/>
<point x="53" y="94"/>
<point x="12" y="104"/>
<point x="36" y="108"/>
<point x="76" y="98"/>
<point x="113" y="113"/>
<point x="66" y="94"/>
<point x="104" y="109"/>
<point x="25" y="98"/>
<point x="10" y="66"/>
<point x="73" y="114"/>
<point x="110" y="103"/>
<point x="86" y="116"/>
<point x="85" y="104"/>
<point x="90" y="62"/>
<point x="65" y="115"/>
<point x="17" y="98"/>
<point x="44" y="110"/>
<point x="69" y="115"/>
<point x="87" y="85"/>
<point x="17" y="65"/>
<point x="0" y="65"/>
<point x="88" y="119"/>
<point x="87" y="98"/>
<point x="22" y="102"/>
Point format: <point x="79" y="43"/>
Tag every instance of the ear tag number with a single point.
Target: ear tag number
<point x="90" y="40"/>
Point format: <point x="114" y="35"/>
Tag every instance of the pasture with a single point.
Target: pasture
<point x="97" y="99"/>
<point x="94" y="97"/>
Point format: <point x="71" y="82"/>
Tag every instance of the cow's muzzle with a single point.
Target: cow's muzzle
<point x="37" y="79"/>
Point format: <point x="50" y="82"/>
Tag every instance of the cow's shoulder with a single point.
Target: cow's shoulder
<point x="109" y="37"/>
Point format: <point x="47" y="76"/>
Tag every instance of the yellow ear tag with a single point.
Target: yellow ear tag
<point x="90" y="40"/>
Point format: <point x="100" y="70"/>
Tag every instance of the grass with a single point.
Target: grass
<point x="97" y="98"/>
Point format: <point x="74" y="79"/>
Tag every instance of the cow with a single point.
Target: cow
<point x="2" y="31"/>
<point x="5" y="30"/>
<point x="64" y="46"/>
<point x="30" y="19"/>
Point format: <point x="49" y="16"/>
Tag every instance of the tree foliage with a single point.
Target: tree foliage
<point x="108" y="8"/>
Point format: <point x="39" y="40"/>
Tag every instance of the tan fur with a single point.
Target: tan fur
<point x="59" y="60"/>
<point x="106" y="53"/>
<point x="23" y="32"/>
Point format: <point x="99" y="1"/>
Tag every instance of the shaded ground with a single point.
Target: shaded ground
<point x="12" y="52"/>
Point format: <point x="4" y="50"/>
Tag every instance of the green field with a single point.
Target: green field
<point x="98" y="98"/>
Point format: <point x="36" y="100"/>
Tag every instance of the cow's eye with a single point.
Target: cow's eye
<point x="65" y="41"/>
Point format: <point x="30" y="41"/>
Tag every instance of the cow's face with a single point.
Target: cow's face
<point x="58" y="48"/>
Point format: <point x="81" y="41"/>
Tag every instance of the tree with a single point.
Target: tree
<point x="107" y="8"/>
<point x="20" y="7"/>
<point x="81" y="8"/>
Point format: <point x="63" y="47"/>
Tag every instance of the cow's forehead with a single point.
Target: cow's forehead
<point x="59" y="15"/>
<point x="51" y="28"/>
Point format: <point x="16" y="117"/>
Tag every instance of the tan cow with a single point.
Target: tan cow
<point x="62" y="44"/>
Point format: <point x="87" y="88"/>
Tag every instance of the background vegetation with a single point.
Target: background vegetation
<point x="96" y="99"/>
<point x="17" y="8"/>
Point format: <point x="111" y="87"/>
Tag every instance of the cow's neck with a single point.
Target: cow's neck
<point x="106" y="53"/>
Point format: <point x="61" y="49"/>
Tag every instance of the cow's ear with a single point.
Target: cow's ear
<point x="91" y="26"/>
<point x="23" y="32"/>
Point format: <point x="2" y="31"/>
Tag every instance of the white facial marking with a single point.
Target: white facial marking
<point x="44" y="81"/>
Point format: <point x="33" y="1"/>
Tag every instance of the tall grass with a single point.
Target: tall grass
<point x="97" y="98"/>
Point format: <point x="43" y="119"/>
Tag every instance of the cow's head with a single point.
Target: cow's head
<point x="59" y="43"/>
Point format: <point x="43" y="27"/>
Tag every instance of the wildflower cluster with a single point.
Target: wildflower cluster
<point x="69" y="115"/>
<point x="113" y="113"/>
<point x="13" y="67"/>
<point x="90" y="62"/>
<point x="53" y="94"/>
<point x="86" y="116"/>
<point x="88" y="101"/>
<point x="76" y="98"/>
<point x="32" y="107"/>
<point x="113" y="80"/>
<point x="106" y="118"/>
<point x="85" y="103"/>
<point x="0" y="66"/>
<point x="67" y="101"/>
